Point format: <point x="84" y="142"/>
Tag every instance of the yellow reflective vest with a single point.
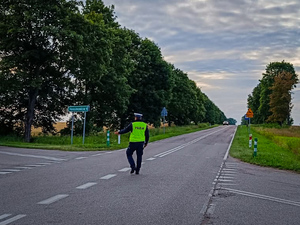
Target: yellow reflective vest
<point x="138" y="132"/>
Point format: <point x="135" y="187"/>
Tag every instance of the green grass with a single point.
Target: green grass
<point x="98" y="142"/>
<point x="273" y="151"/>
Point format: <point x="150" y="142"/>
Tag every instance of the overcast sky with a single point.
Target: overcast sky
<point x="223" y="45"/>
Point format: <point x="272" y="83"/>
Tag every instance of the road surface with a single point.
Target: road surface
<point x="183" y="180"/>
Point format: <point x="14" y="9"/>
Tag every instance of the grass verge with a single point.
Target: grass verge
<point x="98" y="142"/>
<point x="269" y="151"/>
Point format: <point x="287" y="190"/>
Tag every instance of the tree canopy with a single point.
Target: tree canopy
<point x="270" y="100"/>
<point x="59" y="53"/>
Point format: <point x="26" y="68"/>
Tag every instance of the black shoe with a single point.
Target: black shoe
<point x="137" y="172"/>
<point x="132" y="171"/>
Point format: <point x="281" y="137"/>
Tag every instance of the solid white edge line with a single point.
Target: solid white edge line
<point x="52" y="199"/>
<point x="186" y="144"/>
<point x="227" y="152"/>
<point x="12" y="219"/>
<point x="32" y="156"/>
<point x="87" y="185"/>
<point x="265" y="197"/>
<point x="4" y="216"/>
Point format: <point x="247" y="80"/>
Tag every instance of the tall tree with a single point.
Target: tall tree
<point x="254" y="103"/>
<point x="106" y="65"/>
<point x="150" y="82"/>
<point x="36" y="47"/>
<point x="272" y="70"/>
<point x="280" y="99"/>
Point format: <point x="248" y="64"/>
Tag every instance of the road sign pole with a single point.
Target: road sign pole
<point x="84" y="128"/>
<point x="164" y="124"/>
<point x="72" y="128"/>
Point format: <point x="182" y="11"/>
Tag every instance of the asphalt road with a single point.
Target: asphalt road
<point x="182" y="181"/>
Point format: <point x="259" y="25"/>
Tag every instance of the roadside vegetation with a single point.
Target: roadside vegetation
<point x="96" y="142"/>
<point x="277" y="147"/>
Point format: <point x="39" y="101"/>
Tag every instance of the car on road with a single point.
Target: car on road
<point x="225" y="123"/>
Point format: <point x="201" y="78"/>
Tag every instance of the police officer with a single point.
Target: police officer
<point x="138" y="140"/>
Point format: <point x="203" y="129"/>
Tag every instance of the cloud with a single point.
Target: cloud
<point x="223" y="45"/>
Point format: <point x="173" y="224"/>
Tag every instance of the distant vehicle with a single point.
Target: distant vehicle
<point x="225" y="123"/>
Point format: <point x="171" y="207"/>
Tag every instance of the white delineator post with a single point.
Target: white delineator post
<point x="250" y="140"/>
<point x="119" y="139"/>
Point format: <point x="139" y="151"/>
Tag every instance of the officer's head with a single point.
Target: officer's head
<point x="138" y="116"/>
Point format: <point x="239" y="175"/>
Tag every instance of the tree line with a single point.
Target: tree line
<point x="58" y="53"/>
<point x="271" y="100"/>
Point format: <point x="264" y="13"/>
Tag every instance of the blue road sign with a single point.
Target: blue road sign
<point x="246" y="118"/>
<point x="164" y="112"/>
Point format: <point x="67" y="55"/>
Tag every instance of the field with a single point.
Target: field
<point x="58" y="126"/>
<point x="276" y="147"/>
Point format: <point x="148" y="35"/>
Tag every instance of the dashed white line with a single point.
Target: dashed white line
<point x="108" y="176"/>
<point x="98" y="154"/>
<point x="12" y="219"/>
<point x="125" y="169"/>
<point x="150" y="159"/>
<point x="81" y="158"/>
<point x="87" y="185"/>
<point x="53" y="199"/>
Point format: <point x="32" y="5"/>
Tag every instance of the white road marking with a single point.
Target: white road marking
<point x="12" y="219"/>
<point x="224" y="169"/>
<point x="3" y="173"/>
<point x="229" y="146"/>
<point x="125" y="169"/>
<point x="81" y="158"/>
<point x="98" y="154"/>
<point x="226" y="177"/>
<point x="22" y="167"/>
<point x="224" y="180"/>
<point x="108" y="176"/>
<point x="150" y="159"/>
<point x="4" y="216"/>
<point x="36" y="165"/>
<point x="186" y="144"/>
<point x="265" y="197"/>
<point x="10" y="170"/>
<point x="53" y="199"/>
<point x="87" y="185"/>
<point x="32" y="156"/>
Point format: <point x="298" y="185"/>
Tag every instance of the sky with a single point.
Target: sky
<point x="223" y="45"/>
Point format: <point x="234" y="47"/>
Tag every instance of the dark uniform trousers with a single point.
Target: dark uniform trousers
<point x="138" y="147"/>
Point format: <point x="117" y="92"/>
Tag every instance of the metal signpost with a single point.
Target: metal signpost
<point x="164" y="113"/>
<point x="78" y="108"/>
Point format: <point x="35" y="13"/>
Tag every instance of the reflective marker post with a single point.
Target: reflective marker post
<point x="107" y="140"/>
<point x="250" y="140"/>
<point x="119" y="139"/>
<point x="255" y="147"/>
